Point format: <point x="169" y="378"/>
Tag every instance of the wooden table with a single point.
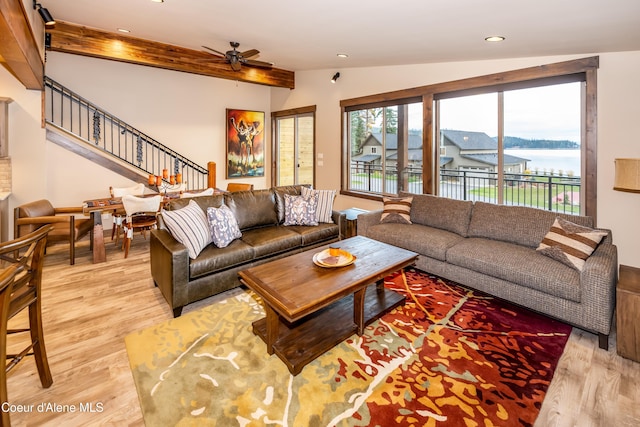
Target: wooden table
<point x="310" y="309"/>
<point x="95" y="207"/>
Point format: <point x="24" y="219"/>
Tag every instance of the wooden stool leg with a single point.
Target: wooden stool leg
<point x="37" y="337"/>
<point x="126" y="242"/>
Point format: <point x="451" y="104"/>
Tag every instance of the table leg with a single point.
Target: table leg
<point x="273" y="328"/>
<point x="358" y="309"/>
<point x="99" y="253"/>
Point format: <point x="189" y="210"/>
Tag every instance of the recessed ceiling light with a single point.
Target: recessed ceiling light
<point x="158" y="1"/>
<point x="124" y="30"/>
<point x="342" y="55"/>
<point x="494" y="38"/>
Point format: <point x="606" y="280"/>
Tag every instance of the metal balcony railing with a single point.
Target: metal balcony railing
<point x="550" y="192"/>
<point x="69" y="111"/>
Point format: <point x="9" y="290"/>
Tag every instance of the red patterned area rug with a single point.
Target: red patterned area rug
<point x="448" y="357"/>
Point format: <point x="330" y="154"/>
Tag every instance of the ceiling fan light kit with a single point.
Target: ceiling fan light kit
<point x="237" y="59"/>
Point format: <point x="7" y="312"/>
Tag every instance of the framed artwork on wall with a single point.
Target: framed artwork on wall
<point x="245" y="143"/>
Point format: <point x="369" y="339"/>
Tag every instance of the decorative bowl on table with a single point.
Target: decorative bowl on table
<point x="333" y="257"/>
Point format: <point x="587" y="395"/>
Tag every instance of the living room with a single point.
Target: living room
<point x="186" y="112"/>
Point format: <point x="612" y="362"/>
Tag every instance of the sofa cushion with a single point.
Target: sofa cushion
<point x="256" y="208"/>
<point x="518" y="264"/>
<point x="189" y="226"/>
<point x="441" y="212"/>
<point x="396" y="210"/>
<point x="214" y="201"/>
<point x="300" y="210"/>
<point x="213" y="259"/>
<point x="223" y="226"/>
<point x="429" y="241"/>
<point x="319" y="233"/>
<point x="293" y="190"/>
<point x="325" y="203"/>
<point x="267" y="241"/>
<point x="516" y="224"/>
<point x="569" y="243"/>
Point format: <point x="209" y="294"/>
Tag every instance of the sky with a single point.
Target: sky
<point x="550" y="112"/>
<point x="547" y="112"/>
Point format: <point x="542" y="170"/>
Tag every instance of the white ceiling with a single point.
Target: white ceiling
<point x="307" y="34"/>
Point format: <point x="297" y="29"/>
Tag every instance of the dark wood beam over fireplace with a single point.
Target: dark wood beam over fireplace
<point x="79" y="40"/>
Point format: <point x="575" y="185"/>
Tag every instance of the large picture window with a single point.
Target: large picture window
<point x="385" y="145"/>
<point x="525" y="137"/>
<point x="516" y="147"/>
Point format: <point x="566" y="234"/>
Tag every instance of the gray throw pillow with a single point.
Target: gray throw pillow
<point x="300" y="210"/>
<point x="223" y="225"/>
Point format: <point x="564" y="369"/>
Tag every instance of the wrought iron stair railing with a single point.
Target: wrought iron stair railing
<point x="79" y="117"/>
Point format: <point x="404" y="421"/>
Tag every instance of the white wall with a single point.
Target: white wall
<point x="186" y="112"/>
<point x="618" y="109"/>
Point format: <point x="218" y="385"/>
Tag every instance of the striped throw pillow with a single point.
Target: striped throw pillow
<point x="190" y="227"/>
<point x="325" y="203"/>
<point x="396" y="210"/>
<point x="570" y="243"/>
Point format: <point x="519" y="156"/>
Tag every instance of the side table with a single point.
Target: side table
<point x="351" y="228"/>
<point x="628" y="313"/>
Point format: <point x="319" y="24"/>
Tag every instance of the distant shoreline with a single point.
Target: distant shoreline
<point x="542" y="148"/>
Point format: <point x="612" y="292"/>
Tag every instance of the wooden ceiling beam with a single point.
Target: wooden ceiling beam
<point x="79" y="40"/>
<point x="19" y="52"/>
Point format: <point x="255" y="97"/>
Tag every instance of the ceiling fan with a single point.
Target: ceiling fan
<point x="236" y="58"/>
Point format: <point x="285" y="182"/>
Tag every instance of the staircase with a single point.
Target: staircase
<point x="91" y="132"/>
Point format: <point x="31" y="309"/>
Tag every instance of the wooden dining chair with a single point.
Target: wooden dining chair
<point x="141" y="215"/>
<point x="238" y="186"/>
<point x="20" y="287"/>
<point x="118" y="214"/>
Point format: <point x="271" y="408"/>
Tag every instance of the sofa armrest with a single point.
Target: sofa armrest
<point x="598" y="282"/>
<point x="341" y="219"/>
<point x="170" y="267"/>
<point x="366" y="220"/>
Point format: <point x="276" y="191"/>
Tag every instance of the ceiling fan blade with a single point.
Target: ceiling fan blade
<point x="215" y="51"/>
<point x="235" y="65"/>
<point x="249" y="53"/>
<point x="261" y="64"/>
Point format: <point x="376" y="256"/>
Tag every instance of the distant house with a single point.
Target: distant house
<point x="372" y="150"/>
<point x="475" y="151"/>
<point x="459" y="150"/>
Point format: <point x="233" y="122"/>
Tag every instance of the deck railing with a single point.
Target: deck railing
<point x="74" y="114"/>
<point x="550" y="192"/>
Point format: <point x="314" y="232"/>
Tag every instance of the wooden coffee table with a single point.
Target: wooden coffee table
<point x="311" y="309"/>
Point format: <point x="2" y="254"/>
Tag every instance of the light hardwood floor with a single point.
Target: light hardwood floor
<point x="88" y="310"/>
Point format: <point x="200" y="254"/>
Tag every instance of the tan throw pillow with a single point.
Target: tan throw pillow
<point x="570" y="243"/>
<point x="396" y="210"/>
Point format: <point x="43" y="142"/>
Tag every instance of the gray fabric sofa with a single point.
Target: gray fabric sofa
<point x="492" y="248"/>
<point x="260" y="216"/>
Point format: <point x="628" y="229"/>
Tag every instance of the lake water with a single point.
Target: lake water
<point x="565" y="160"/>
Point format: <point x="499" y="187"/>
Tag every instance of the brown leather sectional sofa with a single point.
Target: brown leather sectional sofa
<point x="260" y="216"/>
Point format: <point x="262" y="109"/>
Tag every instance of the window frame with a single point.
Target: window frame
<point x="584" y="69"/>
